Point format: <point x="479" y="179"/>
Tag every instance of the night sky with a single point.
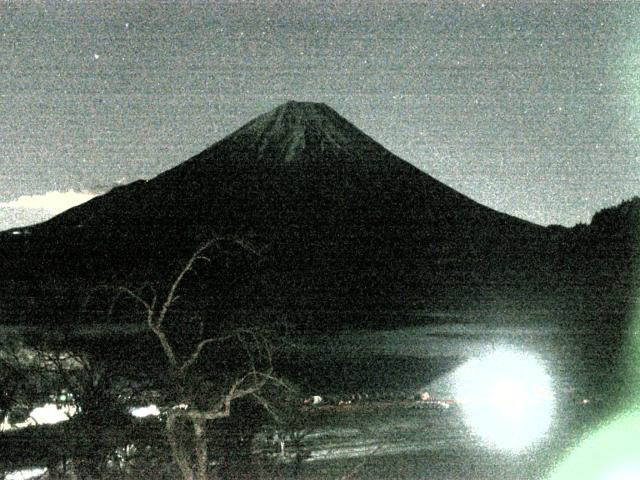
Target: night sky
<point x="531" y="108"/>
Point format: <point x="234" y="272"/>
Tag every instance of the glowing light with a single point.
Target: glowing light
<point x="141" y="412"/>
<point x="623" y="471"/>
<point x="506" y="397"/>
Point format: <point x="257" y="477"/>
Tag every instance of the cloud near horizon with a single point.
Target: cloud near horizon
<point x="52" y="202"/>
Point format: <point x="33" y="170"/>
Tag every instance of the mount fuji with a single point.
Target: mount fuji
<point x="341" y="223"/>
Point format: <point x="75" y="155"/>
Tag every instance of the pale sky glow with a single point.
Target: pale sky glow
<point x="29" y="209"/>
<point x="52" y="202"/>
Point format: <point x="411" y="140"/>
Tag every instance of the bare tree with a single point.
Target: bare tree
<point x="189" y="408"/>
<point x="12" y="378"/>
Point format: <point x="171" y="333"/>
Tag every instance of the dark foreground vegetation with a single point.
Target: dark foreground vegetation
<point x="264" y="436"/>
<point x="197" y="396"/>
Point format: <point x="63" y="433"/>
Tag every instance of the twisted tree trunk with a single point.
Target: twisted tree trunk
<point x="178" y="452"/>
<point x="202" y="454"/>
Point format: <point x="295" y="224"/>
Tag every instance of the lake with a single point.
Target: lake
<point x="405" y="441"/>
<point x="382" y="429"/>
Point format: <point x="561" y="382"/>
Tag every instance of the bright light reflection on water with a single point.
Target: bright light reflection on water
<point x="47" y="414"/>
<point x="141" y="412"/>
<point x="25" y="474"/>
<point x="506" y="397"/>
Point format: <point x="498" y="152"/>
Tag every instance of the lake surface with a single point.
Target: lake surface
<point x="402" y="441"/>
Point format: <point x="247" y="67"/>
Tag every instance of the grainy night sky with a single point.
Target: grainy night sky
<point x="532" y="108"/>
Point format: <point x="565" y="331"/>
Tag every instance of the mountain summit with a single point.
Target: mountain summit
<point x="305" y="130"/>
<point x="298" y="137"/>
<point x="292" y="129"/>
<point x="341" y="220"/>
<point x="308" y="161"/>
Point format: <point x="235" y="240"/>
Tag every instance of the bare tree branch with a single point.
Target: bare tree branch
<point x="136" y="297"/>
<point x="255" y="345"/>
<point x="164" y="342"/>
<point x="171" y="296"/>
<point x="198" y="350"/>
<point x="179" y="456"/>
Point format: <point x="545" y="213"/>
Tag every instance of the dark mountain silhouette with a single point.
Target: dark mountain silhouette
<point x="343" y="224"/>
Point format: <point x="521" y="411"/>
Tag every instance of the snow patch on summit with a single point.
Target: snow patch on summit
<point x="295" y="145"/>
<point x="294" y="126"/>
